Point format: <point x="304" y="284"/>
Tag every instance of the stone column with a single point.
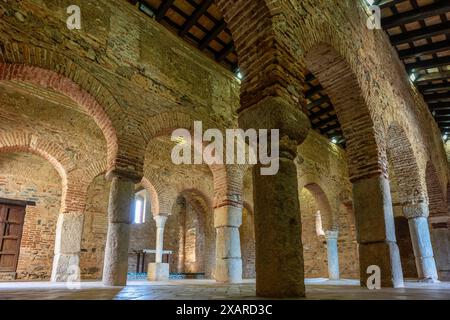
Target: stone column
<point x="279" y="252"/>
<point x="333" y="254"/>
<point x="182" y="235"/>
<point x="69" y="231"/>
<point x="120" y="209"/>
<point x="227" y="220"/>
<point x="440" y="236"/>
<point x="160" y="224"/>
<point x="159" y="271"/>
<point x="417" y="215"/>
<point x="376" y="231"/>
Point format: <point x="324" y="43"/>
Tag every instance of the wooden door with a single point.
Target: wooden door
<point x="11" y="226"/>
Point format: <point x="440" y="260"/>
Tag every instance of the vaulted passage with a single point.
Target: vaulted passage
<point x="224" y="149"/>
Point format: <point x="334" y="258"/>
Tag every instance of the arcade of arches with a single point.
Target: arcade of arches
<point x="88" y="188"/>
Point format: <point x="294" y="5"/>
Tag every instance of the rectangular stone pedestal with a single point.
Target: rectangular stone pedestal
<point x="158" y="271"/>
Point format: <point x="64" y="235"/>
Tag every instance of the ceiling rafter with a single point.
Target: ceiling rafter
<point x="420" y="32"/>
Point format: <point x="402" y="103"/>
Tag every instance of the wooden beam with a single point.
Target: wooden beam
<point x="387" y="3"/>
<point x="427" y="32"/>
<point x="324" y="122"/>
<point x="428" y="64"/>
<point x="439" y="106"/>
<point x="434" y="87"/>
<point x="421" y="13"/>
<point x="318" y="102"/>
<point x="423" y="50"/>
<point x="163" y="8"/>
<point x="318" y="114"/>
<point x="20" y="203"/>
<point x="436" y="97"/>
<point x="313" y="91"/>
<point x="443" y="121"/>
<point x="198" y="12"/>
<point x="435" y="76"/>
<point x="441" y="114"/>
<point x="213" y="34"/>
<point x="335" y="127"/>
<point x="225" y="52"/>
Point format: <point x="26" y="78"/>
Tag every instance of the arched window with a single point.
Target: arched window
<point x="139" y="207"/>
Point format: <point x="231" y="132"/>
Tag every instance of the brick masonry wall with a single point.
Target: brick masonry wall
<point x="136" y="69"/>
<point x="95" y="229"/>
<point x="30" y="178"/>
<point x="323" y="165"/>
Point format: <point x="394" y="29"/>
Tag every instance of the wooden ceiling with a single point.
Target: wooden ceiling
<point x="199" y="22"/>
<point x="418" y="29"/>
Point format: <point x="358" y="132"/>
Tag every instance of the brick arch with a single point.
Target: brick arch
<point x="404" y="164"/>
<point x="365" y="158"/>
<point x="198" y="200"/>
<point x="436" y="197"/>
<point x="323" y="203"/>
<point x="162" y="194"/>
<point x="94" y="170"/>
<point x="247" y="206"/>
<point x="27" y="142"/>
<point x="163" y="124"/>
<point x="227" y="178"/>
<point x="73" y="190"/>
<point x="49" y="69"/>
<point x="202" y="206"/>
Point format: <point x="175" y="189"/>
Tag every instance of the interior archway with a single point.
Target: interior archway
<point x="26" y="176"/>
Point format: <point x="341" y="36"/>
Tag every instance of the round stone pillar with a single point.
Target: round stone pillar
<point x="333" y="254"/>
<point x="376" y="231"/>
<point x="278" y="230"/>
<point x="181" y="205"/>
<point x="227" y="220"/>
<point x="160" y="224"/>
<point x="120" y="210"/>
<point x="159" y="271"/>
<point x="417" y="215"/>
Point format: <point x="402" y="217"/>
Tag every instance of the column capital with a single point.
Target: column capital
<point x="277" y="113"/>
<point x="160" y="220"/>
<point x="227" y="216"/>
<point x="416" y="210"/>
<point x="331" y="234"/>
<point x="124" y="175"/>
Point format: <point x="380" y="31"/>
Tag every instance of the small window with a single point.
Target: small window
<point x="139" y="209"/>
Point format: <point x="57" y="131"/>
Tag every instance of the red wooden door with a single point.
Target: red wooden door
<point x="11" y="226"/>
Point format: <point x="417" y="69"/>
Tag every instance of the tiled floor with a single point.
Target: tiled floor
<point x="207" y="289"/>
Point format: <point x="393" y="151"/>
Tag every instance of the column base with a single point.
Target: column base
<point x="66" y="267"/>
<point x="427" y="271"/>
<point x="429" y="280"/>
<point x="158" y="272"/>
<point x="228" y="270"/>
